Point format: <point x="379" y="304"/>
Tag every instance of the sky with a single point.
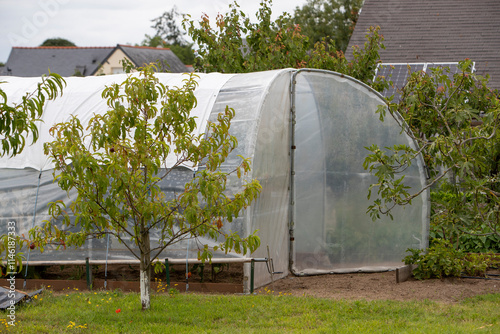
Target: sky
<point x="103" y="22"/>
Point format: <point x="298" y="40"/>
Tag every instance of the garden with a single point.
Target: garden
<point x="114" y="163"/>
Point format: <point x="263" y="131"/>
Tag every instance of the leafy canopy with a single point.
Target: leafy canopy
<point x="236" y="45"/>
<point x="167" y="28"/>
<point x="330" y="20"/>
<point x="57" y="42"/>
<point x="18" y="120"/>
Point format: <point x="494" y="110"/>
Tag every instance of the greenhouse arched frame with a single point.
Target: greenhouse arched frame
<point x="305" y="132"/>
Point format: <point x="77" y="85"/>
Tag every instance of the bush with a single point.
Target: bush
<point x="447" y="223"/>
<point x="443" y="260"/>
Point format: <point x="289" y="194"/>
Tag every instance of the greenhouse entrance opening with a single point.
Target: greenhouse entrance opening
<point x="335" y="121"/>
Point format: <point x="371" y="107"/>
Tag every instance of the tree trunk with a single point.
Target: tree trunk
<point x="145" y="272"/>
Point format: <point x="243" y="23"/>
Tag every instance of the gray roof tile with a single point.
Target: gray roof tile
<point x="33" y="62"/>
<point x="435" y="31"/>
<point x="142" y="55"/>
<point x="66" y="61"/>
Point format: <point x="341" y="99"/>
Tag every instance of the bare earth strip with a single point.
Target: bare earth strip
<point x="383" y="286"/>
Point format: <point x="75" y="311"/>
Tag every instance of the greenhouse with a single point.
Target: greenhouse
<point x="305" y="132"/>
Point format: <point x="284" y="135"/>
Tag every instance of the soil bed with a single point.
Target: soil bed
<point x="383" y="286"/>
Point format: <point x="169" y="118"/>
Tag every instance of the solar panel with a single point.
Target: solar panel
<point x="453" y="68"/>
<point x="398" y="73"/>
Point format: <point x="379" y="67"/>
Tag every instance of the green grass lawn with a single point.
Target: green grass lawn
<point x="117" y="312"/>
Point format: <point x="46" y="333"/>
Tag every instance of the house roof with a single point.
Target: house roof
<point x="142" y="55"/>
<point x="435" y="31"/>
<point x="33" y="62"/>
<point x="66" y="61"/>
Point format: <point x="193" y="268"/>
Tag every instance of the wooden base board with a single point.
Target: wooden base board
<point x="404" y="273"/>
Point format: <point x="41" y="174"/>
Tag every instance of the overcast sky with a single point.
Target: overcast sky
<point x="102" y="22"/>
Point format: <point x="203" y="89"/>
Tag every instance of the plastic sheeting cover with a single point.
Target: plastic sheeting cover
<point x="261" y="125"/>
<point x="82" y="97"/>
<point x="250" y="95"/>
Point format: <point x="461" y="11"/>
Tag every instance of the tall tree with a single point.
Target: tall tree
<point x="57" y="42"/>
<point x="273" y="44"/>
<point x="169" y="35"/>
<point x="168" y="29"/>
<point x="332" y="20"/>
<point x="117" y="168"/>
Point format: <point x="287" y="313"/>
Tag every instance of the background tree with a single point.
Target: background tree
<point x="168" y="29"/>
<point x="332" y="20"/>
<point x="455" y="122"/>
<point x="57" y="42"/>
<point x="184" y="52"/>
<point x="116" y="169"/>
<point x="169" y="35"/>
<point x="272" y="45"/>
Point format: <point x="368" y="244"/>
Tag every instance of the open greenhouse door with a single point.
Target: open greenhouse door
<point x="334" y="120"/>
